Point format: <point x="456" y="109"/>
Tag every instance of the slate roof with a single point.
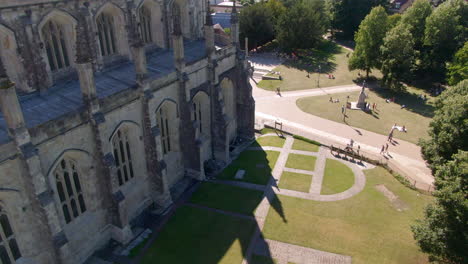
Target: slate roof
<point x="65" y="96"/>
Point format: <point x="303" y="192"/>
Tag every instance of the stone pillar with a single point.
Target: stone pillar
<point x="105" y="168"/>
<point x="209" y="33"/>
<point x="32" y="53"/>
<point x="189" y="148"/>
<point x="43" y="217"/>
<point x="235" y="25"/>
<point x="139" y="58"/>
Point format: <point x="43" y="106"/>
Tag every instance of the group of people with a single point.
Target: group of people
<point x="334" y="100"/>
<point x="331" y="76"/>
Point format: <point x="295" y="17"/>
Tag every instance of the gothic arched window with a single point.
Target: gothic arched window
<point x="55" y="44"/>
<point x="9" y="251"/>
<point x="197" y="110"/>
<point x="145" y="25"/>
<point x="123" y="156"/>
<point x="69" y="190"/>
<point x="106" y="34"/>
<point x="163" y="121"/>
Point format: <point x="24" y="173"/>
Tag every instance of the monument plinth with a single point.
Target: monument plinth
<point x="361" y="103"/>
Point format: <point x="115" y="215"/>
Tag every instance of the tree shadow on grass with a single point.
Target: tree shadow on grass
<point x="309" y="59"/>
<point x="411" y="101"/>
<point x="205" y="233"/>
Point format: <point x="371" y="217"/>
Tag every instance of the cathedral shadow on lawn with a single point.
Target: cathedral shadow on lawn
<point x="217" y="223"/>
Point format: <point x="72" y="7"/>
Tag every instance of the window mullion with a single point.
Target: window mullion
<point x="60" y="46"/>
<point x="52" y="48"/>
<point x="75" y="193"/>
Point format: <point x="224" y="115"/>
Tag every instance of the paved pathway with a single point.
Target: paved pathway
<point x="284" y="253"/>
<point x="406" y="157"/>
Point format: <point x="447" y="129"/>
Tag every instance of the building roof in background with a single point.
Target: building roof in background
<point x="229" y="4"/>
<point x="223" y="19"/>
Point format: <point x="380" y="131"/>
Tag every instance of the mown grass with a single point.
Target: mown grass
<point x="199" y="236"/>
<point x="302" y="162"/>
<point x="416" y="115"/>
<point x="366" y="226"/>
<point x="295" y="181"/>
<point x="337" y="177"/>
<point x="257" y="165"/>
<point x="227" y="198"/>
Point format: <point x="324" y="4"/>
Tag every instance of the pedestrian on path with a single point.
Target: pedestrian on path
<point x="386" y="148"/>
<point x="383" y="149"/>
<point x="342" y="109"/>
<point x="278" y="91"/>
<point x="358" y="149"/>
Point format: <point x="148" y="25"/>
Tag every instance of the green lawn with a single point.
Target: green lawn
<point x="366" y="226"/>
<point x="228" y="198"/>
<point x="302" y="162"/>
<point x="199" y="236"/>
<point x="306" y="146"/>
<point x="257" y="165"/>
<point x="416" y="116"/>
<point x="272" y="141"/>
<point x="295" y="181"/>
<point x="332" y="59"/>
<point x="337" y="178"/>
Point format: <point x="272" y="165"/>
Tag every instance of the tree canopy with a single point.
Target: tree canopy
<point x="302" y="25"/>
<point x="415" y="17"/>
<point x="458" y="69"/>
<point x="448" y="130"/>
<point x="346" y="15"/>
<point x="397" y="53"/>
<point x="256" y="23"/>
<point x="368" y="40"/>
<point x="443" y="233"/>
<point x="445" y="33"/>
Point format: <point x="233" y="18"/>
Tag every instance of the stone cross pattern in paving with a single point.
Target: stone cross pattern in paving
<point x="284" y="252"/>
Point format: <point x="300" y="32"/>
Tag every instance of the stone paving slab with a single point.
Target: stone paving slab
<point x="285" y="252"/>
<point x="316" y="185"/>
<point x="264" y="148"/>
<point x="299" y="171"/>
<point x="303" y="152"/>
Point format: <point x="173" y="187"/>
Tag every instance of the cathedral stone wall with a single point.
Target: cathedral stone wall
<point x="111" y="103"/>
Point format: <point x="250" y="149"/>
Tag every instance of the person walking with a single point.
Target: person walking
<point x="382" y="150"/>
<point x="386" y="148"/>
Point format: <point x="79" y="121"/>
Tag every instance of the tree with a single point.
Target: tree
<point x="443" y="233"/>
<point x="415" y="17"/>
<point x="256" y="24"/>
<point x="302" y="25"/>
<point x="445" y="33"/>
<point x="397" y="53"/>
<point x="346" y="15"/>
<point x="368" y="39"/>
<point x="393" y="20"/>
<point x="458" y="69"/>
<point x="276" y="9"/>
<point x="448" y="130"/>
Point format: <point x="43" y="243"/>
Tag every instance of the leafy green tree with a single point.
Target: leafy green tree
<point x="415" y="17"/>
<point x="302" y="25"/>
<point x="393" y="20"/>
<point x="276" y="9"/>
<point x="443" y="232"/>
<point x="458" y="69"/>
<point x="445" y="33"/>
<point x="397" y="54"/>
<point x="256" y="23"/>
<point x="448" y="130"/>
<point x="368" y="39"/>
<point x="346" y="15"/>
